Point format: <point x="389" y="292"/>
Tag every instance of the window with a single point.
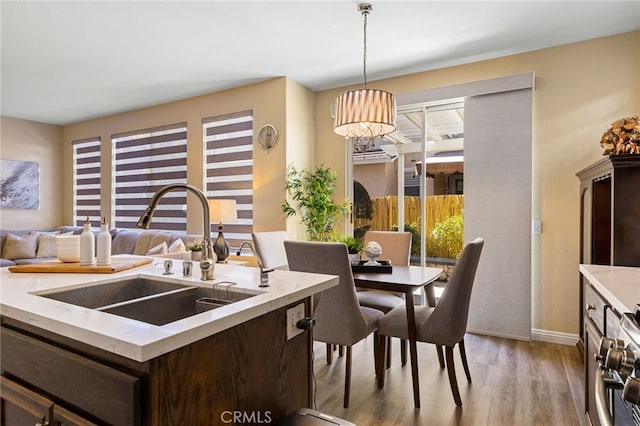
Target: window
<point x="86" y="181"/>
<point x="144" y="161"/>
<point x="228" y="145"/>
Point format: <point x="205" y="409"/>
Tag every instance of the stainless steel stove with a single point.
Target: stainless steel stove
<point x="618" y="381"/>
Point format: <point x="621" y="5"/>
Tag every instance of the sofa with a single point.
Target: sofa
<point x="32" y="246"/>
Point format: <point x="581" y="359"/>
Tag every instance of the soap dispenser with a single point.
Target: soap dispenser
<point x="87" y="245"/>
<point x="104" y="244"/>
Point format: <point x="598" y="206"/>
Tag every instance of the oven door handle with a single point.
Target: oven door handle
<point x="602" y="407"/>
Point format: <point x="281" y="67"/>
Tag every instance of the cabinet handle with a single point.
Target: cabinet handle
<point x="589" y="307"/>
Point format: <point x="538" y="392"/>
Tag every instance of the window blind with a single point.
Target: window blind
<point x="86" y="181"/>
<point x="228" y="145"/>
<point x="144" y="161"/>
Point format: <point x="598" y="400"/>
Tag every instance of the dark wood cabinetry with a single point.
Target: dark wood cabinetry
<point x="22" y="406"/>
<point x="609" y="215"/>
<point x="251" y="368"/>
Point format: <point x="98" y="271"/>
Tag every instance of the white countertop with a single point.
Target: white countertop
<point x="137" y="340"/>
<point x="620" y="285"/>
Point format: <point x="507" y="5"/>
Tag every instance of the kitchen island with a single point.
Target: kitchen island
<point x="231" y="362"/>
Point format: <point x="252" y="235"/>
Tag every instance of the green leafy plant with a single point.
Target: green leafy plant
<point x="195" y="246"/>
<point x="354" y="246"/>
<point x="311" y="195"/>
<point x="449" y="234"/>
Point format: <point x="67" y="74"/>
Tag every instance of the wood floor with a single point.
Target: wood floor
<point x="514" y="383"/>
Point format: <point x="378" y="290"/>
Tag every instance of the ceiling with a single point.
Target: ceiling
<point x="64" y="62"/>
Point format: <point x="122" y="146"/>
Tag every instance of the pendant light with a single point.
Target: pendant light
<point x="365" y="113"/>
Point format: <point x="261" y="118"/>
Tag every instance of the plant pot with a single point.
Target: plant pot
<point x="196" y="256"/>
<point x="354" y="258"/>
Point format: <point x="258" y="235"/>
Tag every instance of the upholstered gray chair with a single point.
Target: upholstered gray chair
<point x="270" y="248"/>
<point x="340" y="320"/>
<point x="396" y="247"/>
<point x="446" y="323"/>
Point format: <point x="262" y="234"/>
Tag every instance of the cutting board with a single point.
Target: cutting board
<point x="117" y="265"/>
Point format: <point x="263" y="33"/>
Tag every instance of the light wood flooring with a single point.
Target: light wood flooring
<point x="514" y="383"/>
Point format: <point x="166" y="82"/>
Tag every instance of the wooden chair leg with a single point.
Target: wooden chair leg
<point x="347" y="378"/>
<point x="451" y="369"/>
<point x="376" y="342"/>
<point x="340" y="350"/>
<point x="382" y="351"/>
<point x="403" y="351"/>
<point x="440" y="356"/>
<point x="463" y="355"/>
<point x="389" y="353"/>
<point x="329" y="354"/>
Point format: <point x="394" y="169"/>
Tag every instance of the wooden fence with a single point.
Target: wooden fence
<point x="439" y="208"/>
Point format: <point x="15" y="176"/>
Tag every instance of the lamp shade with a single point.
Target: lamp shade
<point x="365" y="113"/>
<point x="223" y="211"/>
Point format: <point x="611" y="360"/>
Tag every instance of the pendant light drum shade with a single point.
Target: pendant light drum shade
<point x="365" y="113"/>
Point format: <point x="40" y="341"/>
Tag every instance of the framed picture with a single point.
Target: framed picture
<point x="19" y="184"/>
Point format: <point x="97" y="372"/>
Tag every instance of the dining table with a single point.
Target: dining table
<point x="406" y="280"/>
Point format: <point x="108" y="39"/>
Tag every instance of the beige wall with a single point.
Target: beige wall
<point x="30" y="141"/>
<point x="266" y="99"/>
<point x="300" y="127"/>
<point x="379" y="179"/>
<point x="579" y="90"/>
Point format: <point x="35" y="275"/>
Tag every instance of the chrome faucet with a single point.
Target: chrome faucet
<point x="209" y="258"/>
<point x="264" y="277"/>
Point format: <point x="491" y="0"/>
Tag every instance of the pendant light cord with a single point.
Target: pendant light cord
<point x="365" y="14"/>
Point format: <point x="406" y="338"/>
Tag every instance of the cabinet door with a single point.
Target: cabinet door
<point x="21" y="406"/>
<point x="64" y="417"/>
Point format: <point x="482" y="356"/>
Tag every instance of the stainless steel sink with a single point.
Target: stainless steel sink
<point x="165" y="308"/>
<point x="95" y="296"/>
<point x="151" y="300"/>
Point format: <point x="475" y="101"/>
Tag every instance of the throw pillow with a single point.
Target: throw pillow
<point x="159" y="249"/>
<point x="16" y="247"/>
<point x="177" y="246"/>
<point x="47" y="244"/>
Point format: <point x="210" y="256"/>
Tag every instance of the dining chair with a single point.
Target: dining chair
<point x="340" y="320"/>
<point x="446" y="323"/>
<point x="270" y="248"/>
<point x="396" y="247"/>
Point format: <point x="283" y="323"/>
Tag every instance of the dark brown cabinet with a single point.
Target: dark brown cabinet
<point x="251" y="369"/>
<point x="22" y="406"/>
<point x="609" y="235"/>
<point x="609" y="215"/>
<point x="610" y="211"/>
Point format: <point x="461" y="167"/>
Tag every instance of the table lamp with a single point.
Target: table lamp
<point x="222" y="211"/>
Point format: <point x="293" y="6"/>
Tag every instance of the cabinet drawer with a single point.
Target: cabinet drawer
<point x="104" y="392"/>
<point x="594" y="307"/>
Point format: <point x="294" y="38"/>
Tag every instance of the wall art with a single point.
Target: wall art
<point x="19" y="184"/>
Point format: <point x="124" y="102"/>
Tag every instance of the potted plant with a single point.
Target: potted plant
<point x="196" y="250"/>
<point x="354" y="246"/>
<point x="311" y="195"/>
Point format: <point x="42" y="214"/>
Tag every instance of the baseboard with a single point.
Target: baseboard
<point x="537" y="335"/>
<point x="501" y="335"/>
<point x="549" y="336"/>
